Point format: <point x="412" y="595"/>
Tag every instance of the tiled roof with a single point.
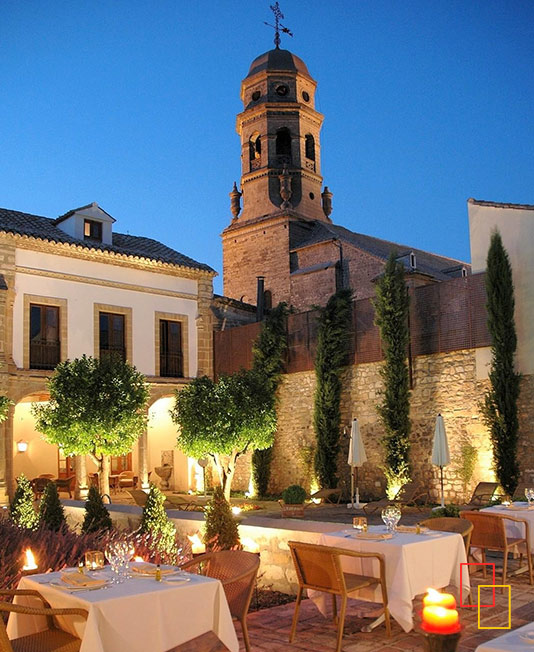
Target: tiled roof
<point x="303" y="234"/>
<point x="129" y="245"/>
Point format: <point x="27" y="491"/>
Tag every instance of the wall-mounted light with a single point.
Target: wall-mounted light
<point x="22" y="446"/>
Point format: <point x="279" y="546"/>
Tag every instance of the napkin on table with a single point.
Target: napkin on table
<point x="144" y="568"/>
<point x="373" y="535"/>
<point x="80" y="579"/>
<point x="411" y="529"/>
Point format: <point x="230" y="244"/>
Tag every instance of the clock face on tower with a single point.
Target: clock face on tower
<point x="281" y="89"/>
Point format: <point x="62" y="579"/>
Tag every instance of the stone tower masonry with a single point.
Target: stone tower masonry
<point x="280" y="176"/>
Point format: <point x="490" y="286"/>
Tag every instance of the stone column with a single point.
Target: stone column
<point x="81" y="490"/>
<point x="204" y="324"/>
<point x="143" y="460"/>
<point x="6" y="458"/>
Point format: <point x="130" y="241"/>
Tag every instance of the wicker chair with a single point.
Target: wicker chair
<point x="237" y="570"/>
<point x="66" y="484"/>
<point x="319" y="568"/>
<point x="489" y="533"/>
<point x="127" y="479"/>
<point x="408" y="494"/>
<point x="38" y="485"/>
<point x="50" y="640"/>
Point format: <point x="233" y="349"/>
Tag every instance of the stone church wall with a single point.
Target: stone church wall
<point x="444" y="383"/>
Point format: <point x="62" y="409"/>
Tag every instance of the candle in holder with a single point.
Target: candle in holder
<point x="94" y="559"/>
<point x="30" y="567"/>
<point x="439" y="620"/>
<point x="435" y="598"/>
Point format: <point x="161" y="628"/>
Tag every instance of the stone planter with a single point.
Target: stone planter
<point x="291" y="511"/>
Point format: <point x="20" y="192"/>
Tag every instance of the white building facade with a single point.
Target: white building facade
<point x="72" y="286"/>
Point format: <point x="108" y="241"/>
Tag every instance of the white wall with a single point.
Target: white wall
<point x="82" y="295"/>
<point x="41" y="457"/>
<point x="516" y="226"/>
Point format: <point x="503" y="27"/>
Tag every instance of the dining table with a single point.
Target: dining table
<point x="516" y="510"/>
<point x="517" y="640"/>
<point x="414" y="562"/>
<point x="137" y="614"/>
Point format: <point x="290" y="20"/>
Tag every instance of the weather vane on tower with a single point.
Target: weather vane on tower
<point x="278" y="27"/>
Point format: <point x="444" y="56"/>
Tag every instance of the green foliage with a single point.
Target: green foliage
<point x="332" y="348"/>
<point x="155" y="522"/>
<point x="96" y="407"/>
<point x="499" y="409"/>
<point x="294" y="495"/>
<point x="466" y="462"/>
<point x="269" y="355"/>
<point x="448" y="510"/>
<point x="97" y="518"/>
<point x="220" y="531"/>
<point x="51" y="513"/>
<point x="4" y="407"/>
<point x="391" y="316"/>
<point x="21" y="510"/>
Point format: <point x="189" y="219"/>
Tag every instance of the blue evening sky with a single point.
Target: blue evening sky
<point x="132" y="104"/>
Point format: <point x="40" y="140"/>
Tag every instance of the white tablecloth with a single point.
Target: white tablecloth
<point x="414" y="562"/>
<point x="509" y="642"/>
<point x="138" y="615"/>
<point x="517" y="510"/>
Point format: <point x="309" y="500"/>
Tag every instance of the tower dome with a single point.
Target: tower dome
<point x="278" y="60"/>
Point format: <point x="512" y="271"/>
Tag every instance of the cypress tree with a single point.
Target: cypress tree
<point x="391" y="316"/>
<point x="269" y="354"/>
<point x="97" y="518"/>
<point x="499" y="409"/>
<point x="21" y="510"/>
<point x="51" y="512"/>
<point x="332" y="349"/>
<point x="221" y="528"/>
<point x="156" y="522"/>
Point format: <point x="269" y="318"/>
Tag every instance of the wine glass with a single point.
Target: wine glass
<point x="391" y="516"/>
<point x="111" y="555"/>
<point x="528" y="495"/>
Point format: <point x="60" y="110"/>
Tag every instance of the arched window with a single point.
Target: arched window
<point x="254" y="146"/>
<point x="310" y="147"/>
<point x="283" y="144"/>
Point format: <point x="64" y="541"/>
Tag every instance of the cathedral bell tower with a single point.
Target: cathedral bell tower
<point x="280" y="147"/>
<point x="281" y="182"/>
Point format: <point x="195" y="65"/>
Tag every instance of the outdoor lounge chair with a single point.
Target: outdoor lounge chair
<point x="139" y="496"/>
<point x="482" y="495"/>
<point x="327" y="496"/>
<point x="319" y="569"/>
<point x="185" y="503"/>
<point x="49" y="640"/>
<point x="489" y="533"/>
<point x="408" y="494"/>
<point x="237" y="570"/>
<point x="519" y="493"/>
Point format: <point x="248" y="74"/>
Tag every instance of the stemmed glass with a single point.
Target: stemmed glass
<point x="112" y="557"/>
<point x="529" y="494"/>
<point x="391" y="516"/>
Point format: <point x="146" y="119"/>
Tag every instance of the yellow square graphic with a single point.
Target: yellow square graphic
<point x="496" y="586"/>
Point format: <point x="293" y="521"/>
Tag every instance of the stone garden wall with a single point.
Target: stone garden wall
<point x="443" y="383"/>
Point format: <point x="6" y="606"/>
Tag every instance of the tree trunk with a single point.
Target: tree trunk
<point x="226" y="468"/>
<point x="103" y="474"/>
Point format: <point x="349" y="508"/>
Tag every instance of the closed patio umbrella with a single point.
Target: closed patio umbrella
<point x="440" y="450"/>
<point x="357" y="457"/>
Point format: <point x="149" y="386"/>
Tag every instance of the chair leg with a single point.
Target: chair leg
<point x="244" y="627"/>
<point x="386" y="610"/>
<point x="295" y="615"/>
<point x="334" y="608"/>
<point x="484" y="572"/>
<point x="504" y="567"/>
<point x="341" y="622"/>
<point x="529" y="562"/>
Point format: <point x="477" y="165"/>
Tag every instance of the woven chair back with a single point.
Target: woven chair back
<point x="483" y="492"/>
<point x="488" y="530"/>
<point x="451" y="524"/>
<point x="318" y="567"/>
<point x="408" y="492"/>
<point x="228" y="564"/>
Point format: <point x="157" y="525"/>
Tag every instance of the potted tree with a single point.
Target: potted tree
<point x="292" y="502"/>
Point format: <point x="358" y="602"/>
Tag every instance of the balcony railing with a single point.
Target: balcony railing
<point x="119" y="351"/>
<point x="44" y="354"/>
<point x="171" y="365"/>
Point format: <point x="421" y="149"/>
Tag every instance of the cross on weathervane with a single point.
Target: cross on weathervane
<point x="278" y="27"/>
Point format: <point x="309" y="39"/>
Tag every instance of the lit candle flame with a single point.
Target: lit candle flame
<point x="30" y="561"/>
<point x="197" y="547"/>
<point x="433" y="594"/>
<point x="137" y="558"/>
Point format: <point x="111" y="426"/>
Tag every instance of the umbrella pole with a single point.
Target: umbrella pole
<point x="357" y="491"/>
<point x="442" y="500"/>
<point x="352" y="486"/>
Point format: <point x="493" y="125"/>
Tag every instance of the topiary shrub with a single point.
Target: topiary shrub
<point x="21" y="510"/>
<point x="97" y="518"/>
<point x="156" y="522"/>
<point x="448" y="510"/>
<point x="294" y="495"/>
<point x="221" y="531"/>
<point x="51" y="513"/>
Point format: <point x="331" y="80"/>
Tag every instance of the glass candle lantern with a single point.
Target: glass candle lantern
<point x="94" y="559"/>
